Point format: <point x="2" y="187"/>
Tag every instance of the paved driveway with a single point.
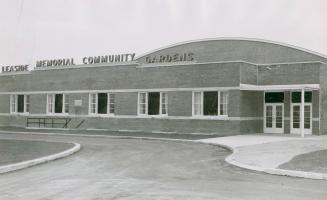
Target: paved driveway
<point x="145" y="169"/>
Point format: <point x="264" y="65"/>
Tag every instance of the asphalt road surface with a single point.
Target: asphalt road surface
<point x="145" y="170"/>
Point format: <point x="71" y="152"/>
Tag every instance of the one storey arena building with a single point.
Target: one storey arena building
<point x="219" y="86"/>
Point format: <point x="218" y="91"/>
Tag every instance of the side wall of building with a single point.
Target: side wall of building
<point x="179" y="115"/>
<point x="180" y="82"/>
<point x="323" y="99"/>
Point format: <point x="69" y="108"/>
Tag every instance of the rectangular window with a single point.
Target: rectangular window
<point x="66" y="103"/>
<point x="153" y="103"/>
<point x="13" y="104"/>
<point x="223" y="102"/>
<point x="111" y="104"/>
<point x="143" y="103"/>
<point x="164" y="103"/>
<point x="50" y="99"/>
<point x="210" y="103"/>
<point x="93" y="103"/>
<point x="102" y="103"/>
<point x="57" y="103"/>
<point x="296" y="97"/>
<point x="197" y="103"/>
<point x="274" y="97"/>
<point x="19" y="103"/>
<point x="27" y="103"/>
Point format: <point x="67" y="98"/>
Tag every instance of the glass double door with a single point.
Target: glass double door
<point x="274" y="118"/>
<point x="296" y="118"/>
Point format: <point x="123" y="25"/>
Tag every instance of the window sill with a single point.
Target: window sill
<point x="153" y="116"/>
<point x="20" y="114"/>
<point x="222" y="117"/>
<point x="58" y="114"/>
<point x="101" y="115"/>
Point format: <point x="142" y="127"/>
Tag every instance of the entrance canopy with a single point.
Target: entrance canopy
<point x="279" y="87"/>
<point x="301" y="116"/>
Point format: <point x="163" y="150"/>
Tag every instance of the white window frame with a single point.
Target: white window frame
<point x="14" y="104"/>
<point x="161" y="103"/>
<point x="96" y="104"/>
<point x="109" y="103"/>
<point x="147" y="101"/>
<point x="201" y="103"/>
<point x="27" y="103"/>
<point x="220" y="103"/>
<point x="91" y="103"/>
<point x="52" y="96"/>
<point x="66" y="105"/>
<point x="139" y="104"/>
<point x="201" y="115"/>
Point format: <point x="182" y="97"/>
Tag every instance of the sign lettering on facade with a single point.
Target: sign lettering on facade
<point x="87" y="60"/>
<point x="116" y="58"/>
<point x="14" y="68"/>
<point x="177" y="57"/>
<point x="55" y="62"/>
<point x="109" y="58"/>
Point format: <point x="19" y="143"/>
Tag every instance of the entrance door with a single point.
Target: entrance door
<point x="296" y="120"/>
<point x="274" y="118"/>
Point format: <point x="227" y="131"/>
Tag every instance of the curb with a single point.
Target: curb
<point x="29" y="163"/>
<point x="274" y="171"/>
<point x="99" y="135"/>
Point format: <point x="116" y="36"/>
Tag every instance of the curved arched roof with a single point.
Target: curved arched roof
<point x="238" y="49"/>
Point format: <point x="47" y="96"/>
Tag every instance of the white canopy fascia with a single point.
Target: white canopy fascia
<point x="279" y="87"/>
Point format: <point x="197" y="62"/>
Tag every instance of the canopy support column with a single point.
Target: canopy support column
<point x="302" y="113"/>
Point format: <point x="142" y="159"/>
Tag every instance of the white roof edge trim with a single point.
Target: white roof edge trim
<point x="279" y="87"/>
<point x="232" y="38"/>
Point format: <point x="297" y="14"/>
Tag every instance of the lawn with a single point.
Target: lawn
<point x="312" y="162"/>
<point x="13" y="151"/>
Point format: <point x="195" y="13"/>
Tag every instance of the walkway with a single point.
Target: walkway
<point x="267" y="152"/>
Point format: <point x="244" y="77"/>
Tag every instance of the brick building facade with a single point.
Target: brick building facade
<point x="219" y="86"/>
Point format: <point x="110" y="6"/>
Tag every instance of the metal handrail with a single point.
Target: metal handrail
<point x="45" y="121"/>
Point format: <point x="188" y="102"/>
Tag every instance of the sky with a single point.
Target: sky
<point x="32" y="30"/>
